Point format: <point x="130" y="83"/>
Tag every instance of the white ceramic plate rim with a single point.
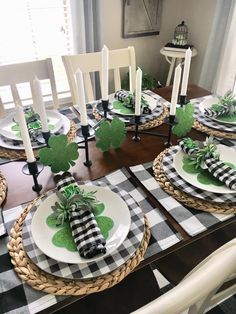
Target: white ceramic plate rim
<point x="66" y="129"/>
<point x="51" y="114"/>
<point x="151" y="101"/>
<point x="207" y="103"/>
<point x="117" y="209"/>
<point x="227" y="154"/>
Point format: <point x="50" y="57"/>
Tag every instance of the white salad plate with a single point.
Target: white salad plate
<point x="227" y="154"/>
<point x="9" y="143"/>
<point x="6" y="124"/>
<point x="150" y="100"/>
<point x="206" y="104"/>
<point x="115" y="208"/>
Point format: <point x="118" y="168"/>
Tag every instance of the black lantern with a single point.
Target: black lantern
<point x="180" y="35"/>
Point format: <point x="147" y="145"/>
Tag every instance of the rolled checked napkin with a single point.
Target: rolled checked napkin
<point x="33" y="122"/>
<point x="129" y="101"/>
<point x="216" y="167"/>
<point x="86" y="233"/>
<point x="214" y="114"/>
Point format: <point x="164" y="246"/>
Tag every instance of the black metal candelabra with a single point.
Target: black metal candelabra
<point x="86" y="132"/>
<point x="33" y="168"/>
<point x="170" y="121"/>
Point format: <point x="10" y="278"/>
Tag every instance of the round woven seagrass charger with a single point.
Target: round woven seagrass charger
<point x="18" y="154"/>
<point x="145" y="126"/>
<point x="3" y="188"/>
<point x="185" y="198"/>
<point x="202" y="128"/>
<point x="42" y="281"/>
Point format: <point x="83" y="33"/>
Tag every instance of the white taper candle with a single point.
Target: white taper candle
<point x="138" y="92"/>
<point x="20" y="116"/>
<point x="175" y="90"/>
<point x="82" y="103"/>
<point x="187" y="61"/>
<point x="105" y="67"/>
<point x="39" y="106"/>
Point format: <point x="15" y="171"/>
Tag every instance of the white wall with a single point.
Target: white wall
<point x="197" y="14"/>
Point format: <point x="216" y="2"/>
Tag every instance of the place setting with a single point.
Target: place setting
<point x="216" y="115"/>
<point x="123" y="104"/>
<point x="40" y="124"/>
<point x="78" y="231"/>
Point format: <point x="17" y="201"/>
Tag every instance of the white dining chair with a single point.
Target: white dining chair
<point x="92" y="62"/>
<point x="199" y="289"/>
<point x="13" y="74"/>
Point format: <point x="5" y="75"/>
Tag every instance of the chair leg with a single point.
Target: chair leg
<point x="171" y="69"/>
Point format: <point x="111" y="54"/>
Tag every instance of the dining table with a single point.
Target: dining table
<point x="174" y="261"/>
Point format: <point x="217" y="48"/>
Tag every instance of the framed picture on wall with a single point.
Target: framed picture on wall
<point x="141" y="18"/>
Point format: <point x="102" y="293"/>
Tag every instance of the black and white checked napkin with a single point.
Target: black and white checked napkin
<point x="86" y="233"/>
<point x="217" y="168"/>
<point x="181" y="184"/>
<point x="191" y="220"/>
<point x="214" y="114"/>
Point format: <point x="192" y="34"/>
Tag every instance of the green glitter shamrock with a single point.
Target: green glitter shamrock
<point x="185" y="120"/>
<point x="110" y="134"/>
<point x="60" y="155"/>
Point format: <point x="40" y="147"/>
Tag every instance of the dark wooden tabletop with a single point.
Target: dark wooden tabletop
<point x="174" y="262"/>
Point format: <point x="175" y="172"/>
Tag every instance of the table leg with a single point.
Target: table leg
<point x="170" y="71"/>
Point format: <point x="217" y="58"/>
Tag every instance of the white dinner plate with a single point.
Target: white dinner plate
<point x="54" y="119"/>
<point x="206" y="104"/>
<point x="115" y="208"/>
<point x="11" y="145"/>
<point x="150" y="100"/>
<point x="227" y="154"/>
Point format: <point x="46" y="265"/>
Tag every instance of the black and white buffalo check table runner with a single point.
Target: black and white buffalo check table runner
<point x="18" y="297"/>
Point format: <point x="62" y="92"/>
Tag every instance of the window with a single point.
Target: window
<point x="36" y="29"/>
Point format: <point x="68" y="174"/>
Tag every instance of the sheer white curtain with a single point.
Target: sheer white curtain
<point x="226" y="72"/>
<point x="86" y="24"/>
<point x="216" y="49"/>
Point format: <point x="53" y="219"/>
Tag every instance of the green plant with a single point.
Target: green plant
<point x="71" y="198"/>
<point x="227" y="101"/>
<point x="148" y="82"/>
<point x="206" y="149"/>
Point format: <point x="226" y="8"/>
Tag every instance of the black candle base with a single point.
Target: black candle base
<point x="136" y="121"/>
<point x="85" y="130"/>
<point x="105" y="104"/>
<point x="183" y="100"/>
<point x="33" y="168"/>
<point x="170" y="121"/>
<point x="85" y="133"/>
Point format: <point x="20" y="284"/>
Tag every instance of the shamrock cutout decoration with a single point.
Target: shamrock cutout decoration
<point x="60" y="155"/>
<point x="110" y="134"/>
<point x="185" y="120"/>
